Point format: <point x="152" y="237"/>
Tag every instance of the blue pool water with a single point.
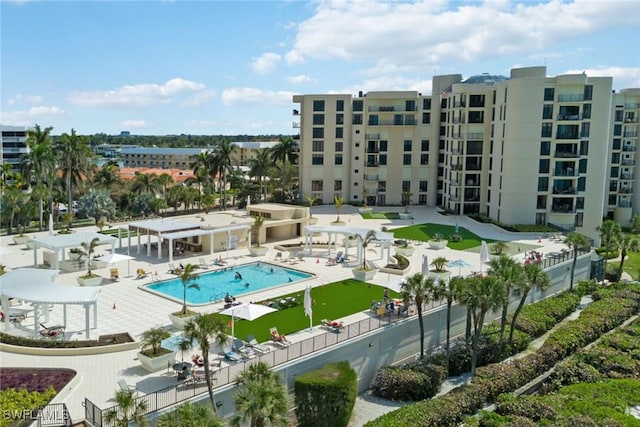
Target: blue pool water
<point x="214" y="285"/>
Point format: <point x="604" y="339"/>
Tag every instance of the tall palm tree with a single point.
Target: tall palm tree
<point x="509" y="272"/>
<point x="222" y="159"/>
<point x="609" y="231"/>
<point x="420" y="288"/>
<point x="576" y="242"/>
<point x="535" y="278"/>
<point x="450" y="291"/>
<point x="75" y="153"/>
<point x="339" y="203"/>
<point x="163" y="181"/>
<point x="13" y="197"/>
<point x="190" y="415"/>
<point x="626" y="244"/>
<point x="283" y="152"/>
<point x="261" y="399"/>
<point x="39" y="165"/>
<point x="107" y="176"/>
<point x="482" y="293"/>
<point x="145" y="183"/>
<point x="205" y="329"/>
<point x="260" y="165"/>
<point x="128" y="409"/>
<point x="187" y="276"/>
<point x="368" y="238"/>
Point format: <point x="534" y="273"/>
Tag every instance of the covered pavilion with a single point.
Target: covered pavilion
<point x="38" y="287"/>
<point x="385" y="239"/>
<point x="58" y="243"/>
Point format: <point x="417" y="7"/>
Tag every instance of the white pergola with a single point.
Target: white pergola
<point x="176" y="230"/>
<point x="38" y="286"/>
<point x="60" y="242"/>
<point x="385" y="239"/>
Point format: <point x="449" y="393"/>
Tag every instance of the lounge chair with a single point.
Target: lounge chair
<point x="115" y="274"/>
<point x="173" y="269"/>
<point x="256" y="346"/>
<point x="14" y="317"/>
<point x="141" y="274"/>
<point x="51" y="331"/>
<point x="127" y="387"/>
<point x="204" y="264"/>
<point x="243" y="349"/>
<point x="279" y="339"/>
<point x="332" y="325"/>
<point x="278" y="256"/>
<point x="231" y="355"/>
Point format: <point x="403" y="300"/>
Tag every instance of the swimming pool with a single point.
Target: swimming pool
<point x="214" y="285"/>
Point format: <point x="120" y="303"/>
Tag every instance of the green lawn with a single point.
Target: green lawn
<point x="631" y="264"/>
<point x="426" y="232"/>
<point x="380" y="215"/>
<point x="332" y="301"/>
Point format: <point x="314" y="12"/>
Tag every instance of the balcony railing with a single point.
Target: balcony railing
<point x="630" y="134"/>
<point x="372" y="164"/>
<point x="566" y="154"/>
<point x="624" y="204"/>
<point x="456" y="167"/>
<point x="565" y="172"/>
<point x="631" y="106"/>
<point x="459" y="104"/>
<point x="632" y="120"/>
<point x="570" y="97"/>
<point x="626" y="176"/>
<point x="475" y="135"/>
<point x="456" y="152"/>
<point x="628" y="162"/>
<point x="625" y="190"/>
<point x="628" y="148"/>
<point x="372" y="150"/>
<point x="458" y="120"/>
<point x="296" y="125"/>
<point x="568" y="190"/>
<point x="563" y="209"/>
<point x="569" y="117"/>
<point x="370" y="177"/>
<point x="372" y="136"/>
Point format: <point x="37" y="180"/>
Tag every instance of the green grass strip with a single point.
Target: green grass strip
<point x="427" y="231"/>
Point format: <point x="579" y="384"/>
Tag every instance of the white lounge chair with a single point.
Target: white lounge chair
<point x="263" y="349"/>
<point x="127" y="387"/>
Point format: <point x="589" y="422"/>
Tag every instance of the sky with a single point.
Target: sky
<point x="232" y="67"/>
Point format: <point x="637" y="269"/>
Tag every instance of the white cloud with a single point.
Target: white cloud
<point x="623" y="77"/>
<point x="442" y="31"/>
<point x="30" y="116"/>
<point x="140" y="95"/>
<point x="199" y="98"/>
<point x="254" y="96"/>
<point x="299" y="79"/>
<point x="26" y="99"/>
<point x="265" y="63"/>
<point x="134" y="124"/>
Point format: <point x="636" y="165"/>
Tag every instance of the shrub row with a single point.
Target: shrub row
<point x="495" y="379"/>
<point x="415" y="381"/>
<point x="536" y="319"/>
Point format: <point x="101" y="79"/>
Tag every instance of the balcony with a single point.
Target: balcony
<point x="456" y="167"/>
<point x="567" y="154"/>
<point x="372" y="136"/>
<point x="456" y="152"/>
<point x="475" y="135"/>
<point x="570" y="97"/>
<point x="296" y="125"/>
<point x="628" y="162"/>
<point x="372" y="164"/>
<point x="565" y="172"/>
<point x="370" y="177"/>
<point x="631" y="106"/>
<point x="459" y="104"/>
<point x="456" y="136"/>
<point x="569" y="117"/>
<point x="630" y="134"/>
<point x="458" y="120"/>
<point x="632" y="120"/>
<point x="454" y="199"/>
<point x="628" y="148"/>
<point x="626" y="176"/>
<point x="625" y="190"/>
<point x="568" y="190"/>
<point x="564" y="208"/>
<point x="624" y="204"/>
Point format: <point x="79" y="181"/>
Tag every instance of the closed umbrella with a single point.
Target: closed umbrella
<point x="247" y="311"/>
<point x="308" y="309"/>
<point x="425" y="265"/>
<point x="484" y="254"/>
<point x="50" y="224"/>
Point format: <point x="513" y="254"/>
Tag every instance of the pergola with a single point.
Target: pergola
<point x="61" y="242"/>
<point x="38" y="286"/>
<point x="176" y="230"/>
<point x="385" y="239"/>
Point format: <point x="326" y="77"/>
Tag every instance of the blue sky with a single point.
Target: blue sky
<point x="232" y="67"/>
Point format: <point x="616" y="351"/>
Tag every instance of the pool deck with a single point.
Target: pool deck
<point x="123" y="307"/>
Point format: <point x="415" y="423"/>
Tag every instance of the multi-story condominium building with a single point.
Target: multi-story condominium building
<point x="14" y="145"/>
<point x="522" y="149"/>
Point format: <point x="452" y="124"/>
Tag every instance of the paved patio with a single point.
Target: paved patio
<point x="123" y="307"/>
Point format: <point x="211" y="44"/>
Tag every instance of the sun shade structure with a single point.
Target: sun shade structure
<point x="61" y="242"/>
<point x="383" y="238"/>
<point x="38" y="286"/>
<point x="247" y="311"/>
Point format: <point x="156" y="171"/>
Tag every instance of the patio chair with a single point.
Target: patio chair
<point x="279" y="339"/>
<point x="231" y="355"/>
<point x="173" y="269"/>
<point x="115" y="274"/>
<point x="194" y="377"/>
<point x="278" y="256"/>
<point x="127" y="387"/>
<point x="204" y="264"/>
<point x="256" y="346"/>
<point x="51" y="331"/>
<point x="243" y="349"/>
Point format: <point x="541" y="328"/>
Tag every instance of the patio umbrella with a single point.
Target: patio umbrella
<point x="484" y="254"/>
<point x="247" y="311"/>
<point x="177" y="343"/>
<point x="112" y="258"/>
<point x="459" y="263"/>
<point x="308" y="309"/>
<point x="425" y="265"/>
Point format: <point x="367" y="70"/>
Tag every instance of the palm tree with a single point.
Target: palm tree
<point x="365" y="197"/>
<point x="190" y="415"/>
<point x="257" y="227"/>
<point x="206" y="329"/>
<point x="368" y="238"/>
<point x="88" y="248"/>
<point x="576" y="241"/>
<point x="260" y="165"/>
<point x="481" y="294"/>
<point x="419" y="287"/>
<point x="439" y="263"/>
<point x="163" y="181"/>
<point x="609" y="231"/>
<point x="535" y="278"/>
<point x="261" y="399"/>
<point x="74" y="160"/>
<point x="626" y="244"/>
<point x="283" y="152"/>
<point x="222" y="160"/>
<point x="310" y="201"/>
<point x="509" y="273"/>
<point x="128" y="409"/>
<point x="185" y="277"/>
<point x="107" y="176"/>
<point x="39" y="165"/>
<point x="406" y="199"/>
<point x="145" y="183"/>
<point x="450" y="291"/>
<point x="339" y="203"/>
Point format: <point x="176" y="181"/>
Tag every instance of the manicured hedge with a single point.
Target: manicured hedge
<point x="415" y="381"/>
<point x="326" y="397"/>
<point x="495" y="379"/>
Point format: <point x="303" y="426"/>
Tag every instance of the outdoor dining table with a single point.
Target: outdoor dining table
<point x="182" y="369"/>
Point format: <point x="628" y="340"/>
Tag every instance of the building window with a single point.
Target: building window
<point x="339" y="132"/>
<point x="406" y="185"/>
<point x="339" y="119"/>
<point x="545" y="148"/>
<point x="422" y="199"/>
<point x="586" y="111"/>
<point x="337" y="185"/>
<point x="582" y="166"/>
<point x="316" y="185"/>
<point x="338" y="159"/>
<point x="580" y="203"/>
<point x="318" y="132"/>
<point x="383" y="145"/>
<point x="549" y="93"/>
<point x="476" y="101"/>
<point x="410" y="105"/>
<point x="317" y="146"/>
<point x="612" y="199"/>
<point x="579" y="219"/>
<point x="543" y="183"/>
<point x="357" y="119"/>
<point x="318" y="105"/>
<point x="543" y="166"/>
<point x="541" y="218"/>
<point x="615" y="158"/>
<point x="424" y="145"/>
<point x="423" y="186"/>
<point x="340" y="105"/>
<point x="584" y="148"/>
<point x="476" y="116"/>
<point x="382" y="186"/>
<point x="588" y="93"/>
<point x="426" y="118"/>
<point x="406" y="159"/>
<point x="615" y="172"/>
<point x="317" y="159"/>
<point x="547" y="111"/>
<point x="586" y="128"/>
<point x="338" y="146"/>
<point x="426" y="104"/>
<point x="617" y="130"/>
<point x="382" y="159"/>
<point x="547" y="129"/>
<point x="541" y="202"/>
<point x="357" y="105"/>
<point x="424" y="159"/>
<point x="616" y="143"/>
<point x="318" y="119"/>
<point x="373" y="120"/>
<point x="407" y="145"/>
